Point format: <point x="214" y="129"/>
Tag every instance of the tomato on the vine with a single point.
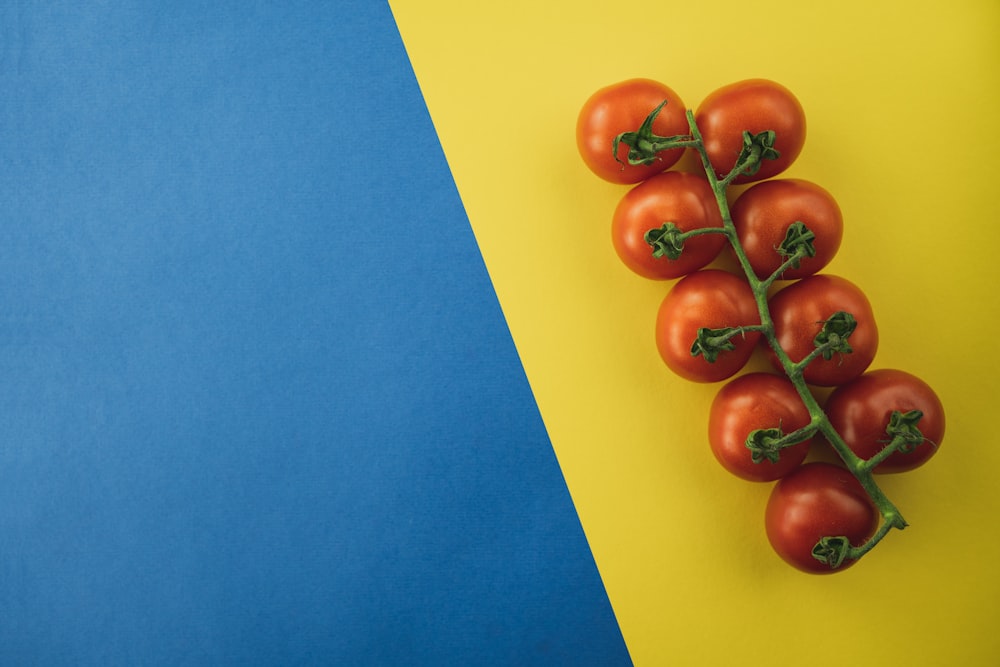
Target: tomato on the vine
<point x="709" y="299"/>
<point x="764" y="213"/>
<point x="751" y="402"/>
<point x="683" y="199"/>
<point x="862" y="409"/>
<point x="814" y="501"/>
<point x="755" y="106"/>
<point x="622" y="107"/>
<point x="799" y="312"/>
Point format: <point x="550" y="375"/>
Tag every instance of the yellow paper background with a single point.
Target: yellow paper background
<point x="902" y="104"/>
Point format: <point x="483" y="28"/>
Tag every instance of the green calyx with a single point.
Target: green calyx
<point x="756" y="148"/>
<point x="832" y="338"/>
<point x="798" y="243"/>
<point x="832" y="551"/>
<point x="904" y="436"/>
<point x="666" y="241"/>
<point x="903" y="430"/>
<point x="765" y="445"/>
<point x="644" y="146"/>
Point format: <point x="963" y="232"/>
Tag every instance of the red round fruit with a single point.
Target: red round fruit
<point x="765" y="211"/>
<point x="799" y="312"/>
<point x="750" y="402"/>
<point x="754" y="105"/>
<point x="622" y="107"/>
<point x="861" y="410"/>
<point x="712" y="299"/>
<point x="814" y="501"/>
<point x="683" y="199"/>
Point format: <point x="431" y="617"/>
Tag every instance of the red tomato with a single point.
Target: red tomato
<point x="817" y="500"/>
<point x="799" y="311"/>
<point x="622" y="107"/>
<point x="712" y="299"/>
<point x="764" y="212"/>
<point x="861" y="409"/>
<point x="684" y="199"/>
<point x="750" y="402"/>
<point x="754" y="105"/>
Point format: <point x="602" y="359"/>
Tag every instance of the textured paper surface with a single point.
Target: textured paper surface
<point x="899" y="99"/>
<point x="258" y="402"/>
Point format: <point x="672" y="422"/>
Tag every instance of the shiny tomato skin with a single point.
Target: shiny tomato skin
<point x="798" y="312"/>
<point x="763" y="213"/>
<point x="750" y="402"/>
<point x="860" y="410"/>
<point x="754" y="105"/>
<point x="684" y="199"/>
<point x="709" y="298"/>
<point x="817" y="500"/>
<point x="622" y="107"/>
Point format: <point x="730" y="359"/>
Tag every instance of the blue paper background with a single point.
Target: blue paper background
<point x="258" y="403"/>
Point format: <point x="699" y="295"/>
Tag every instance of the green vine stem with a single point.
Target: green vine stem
<point x="890" y="515"/>
<point x="832" y="550"/>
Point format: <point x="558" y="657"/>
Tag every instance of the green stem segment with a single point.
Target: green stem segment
<point x="711" y="342"/>
<point x="668" y="240"/>
<point x="833" y="550"/>
<point x="765" y="444"/>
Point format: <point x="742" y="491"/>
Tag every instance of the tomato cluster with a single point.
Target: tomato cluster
<point x="816" y="330"/>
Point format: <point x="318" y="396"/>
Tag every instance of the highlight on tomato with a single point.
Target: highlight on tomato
<point x="818" y="500"/>
<point x="771" y="218"/>
<point x="623" y="107"/>
<point x="683" y="199"/>
<point x="754" y="106"/>
<point x="800" y="313"/>
<point x="759" y="402"/>
<point x="702" y="326"/>
<point x="882" y="404"/>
